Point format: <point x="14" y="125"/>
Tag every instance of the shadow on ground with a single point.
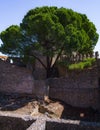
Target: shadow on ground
<point x="14" y="101"/>
<point x="78" y="113"/>
<point x="11" y="102"/>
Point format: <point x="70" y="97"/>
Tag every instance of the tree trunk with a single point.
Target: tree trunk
<point x="52" y="72"/>
<point x="48" y="73"/>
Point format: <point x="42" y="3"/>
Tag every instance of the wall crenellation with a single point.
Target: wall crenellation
<point x="73" y="58"/>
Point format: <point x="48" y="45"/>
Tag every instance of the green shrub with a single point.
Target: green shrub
<point x="81" y="65"/>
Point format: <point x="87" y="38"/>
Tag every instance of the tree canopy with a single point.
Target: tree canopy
<point x="10" y="38"/>
<point x="50" y="31"/>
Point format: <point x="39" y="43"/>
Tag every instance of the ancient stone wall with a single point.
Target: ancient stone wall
<point x="23" y="122"/>
<point x="71" y="125"/>
<point x="14" y="79"/>
<point x="14" y="123"/>
<point x="39" y="71"/>
<point x="78" y="88"/>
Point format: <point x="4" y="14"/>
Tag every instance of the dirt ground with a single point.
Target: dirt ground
<point x="27" y="105"/>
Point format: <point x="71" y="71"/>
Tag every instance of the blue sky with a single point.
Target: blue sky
<point x="13" y="11"/>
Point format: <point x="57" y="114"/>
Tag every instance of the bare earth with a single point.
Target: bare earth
<point x="27" y="105"/>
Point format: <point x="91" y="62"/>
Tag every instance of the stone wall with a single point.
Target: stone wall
<point x="78" y="88"/>
<point x="13" y="123"/>
<point x="41" y="89"/>
<point x="39" y="71"/>
<point x="14" y="79"/>
<point x="26" y="122"/>
<point x="71" y="125"/>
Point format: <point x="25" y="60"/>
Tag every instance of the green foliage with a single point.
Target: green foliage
<point x="56" y="28"/>
<point x="28" y="59"/>
<point x="81" y="65"/>
<point x="52" y="32"/>
<point x="63" y="63"/>
<point x="10" y="38"/>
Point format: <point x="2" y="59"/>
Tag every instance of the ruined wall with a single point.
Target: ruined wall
<point x="15" y="79"/>
<point x="78" y="88"/>
<point x="39" y="71"/>
<point x="70" y="126"/>
<point x="23" y="122"/>
<point x="41" y="89"/>
<point x="14" y="123"/>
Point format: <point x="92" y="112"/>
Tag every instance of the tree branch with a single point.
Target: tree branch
<point x="39" y="61"/>
<point x="58" y="55"/>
